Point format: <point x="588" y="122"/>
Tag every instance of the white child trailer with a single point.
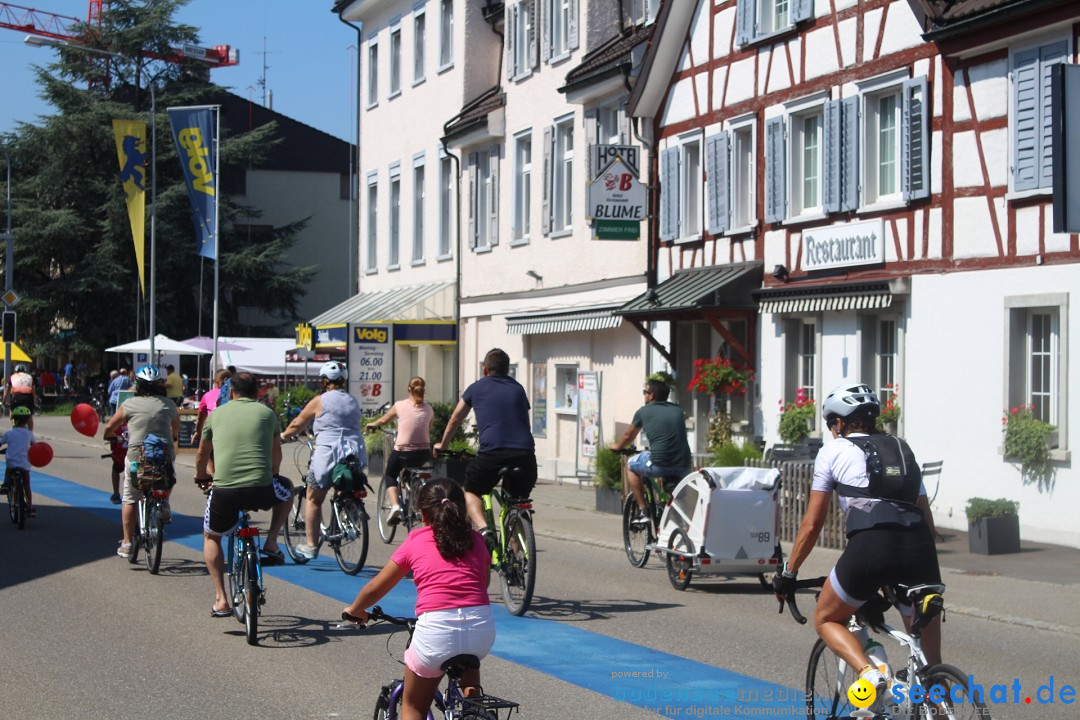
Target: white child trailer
<point x="722" y="521"/>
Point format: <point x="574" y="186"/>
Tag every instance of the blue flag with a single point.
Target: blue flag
<point x="193" y="132"/>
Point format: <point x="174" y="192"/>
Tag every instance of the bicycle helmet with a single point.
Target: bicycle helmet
<point x="334" y="370"/>
<point x="20" y="368"/>
<point x="148" y="374"/>
<point x="20" y="411"/>
<point x="848" y="400"/>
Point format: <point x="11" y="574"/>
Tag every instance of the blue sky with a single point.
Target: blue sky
<point x="311" y="68"/>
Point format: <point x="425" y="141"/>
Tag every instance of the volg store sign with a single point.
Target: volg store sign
<point x="860" y="243"/>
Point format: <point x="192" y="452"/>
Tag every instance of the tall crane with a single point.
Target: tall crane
<point x="66" y="28"/>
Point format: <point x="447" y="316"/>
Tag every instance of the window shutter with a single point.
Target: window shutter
<point x="534" y="18"/>
<point x="669" y="194"/>
<point x="545" y="205"/>
<point x="493" y="199"/>
<point x="653" y="8"/>
<point x="544" y="24"/>
<point x="624" y="126"/>
<point x="509" y="31"/>
<point x="745" y="12"/>
<point x="716" y="167"/>
<point x="802" y="10"/>
<point x="849" y="154"/>
<point x="1026" y="129"/>
<point x="473" y="195"/>
<point x="916" y="145"/>
<point x="1049" y="55"/>
<point x="831" y="157"/>
<point x="572" y="26"/>
<point x="775" y="171"/>
<point x="592" y="119"/>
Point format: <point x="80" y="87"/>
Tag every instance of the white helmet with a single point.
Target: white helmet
<point x="334" y="370"/>
<point x="148" y="374"/>
<point x="848" y="400"/>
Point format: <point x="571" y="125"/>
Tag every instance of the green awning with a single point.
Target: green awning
<point x="688" y="291"/>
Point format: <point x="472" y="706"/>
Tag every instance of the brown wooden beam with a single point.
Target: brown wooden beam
<point x="668" y="355"/>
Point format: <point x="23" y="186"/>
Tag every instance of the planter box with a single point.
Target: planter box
<point x="451" y="468"/>
<point x="608" y="500"/>
<point x="995" y="535"/>
<point x="376" y="468"/>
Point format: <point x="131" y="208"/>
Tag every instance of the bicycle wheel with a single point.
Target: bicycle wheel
<point x="137" y="538"/>
<point x="955" y="705"/>
<point x="12" y="503"/>
<point x="349" y="530"/>
<point x="382" y="705"/>
<point x="517" y="571"/>
<point x="636" y="535"/>
<point x="302" y="458"/>
<point x="296" y="527"/>
<point x="155" y="538"/>
<point x="382" y="513"/>
<point x="679" y="565"/>
<point x="827" y="681"/>
<point x="236" y="579"/>
<point x="18" y="501"/>
<point x="251" y="594"/>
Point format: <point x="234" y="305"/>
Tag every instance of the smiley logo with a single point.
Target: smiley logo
<point x="862" y="693"/>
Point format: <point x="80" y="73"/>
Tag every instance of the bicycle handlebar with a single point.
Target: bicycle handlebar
<point x="457" y="453"/>
<point x="376" y="614"/>
<point x="627" y="451"/>
<point x="790" y="599"/>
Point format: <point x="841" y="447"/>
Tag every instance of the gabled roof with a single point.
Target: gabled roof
<point x="607" y="59"/>
<point x="475" y="112"/>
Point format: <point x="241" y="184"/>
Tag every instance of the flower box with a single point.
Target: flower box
<point x="608" y="500"/>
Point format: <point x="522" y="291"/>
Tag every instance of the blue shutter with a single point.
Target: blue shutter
<point x="716" y="166"/>
<point x="1026" y="129"/>
<point x="745" y="13"/>
<point x="545" y="203"/>
<point x="849" y="154"/>
<point x="831" y="157"/>
<point x="1049" y="55"/>
<point x="916" y="145"/>
<point x="802" y="10"/>
<point x="775" y="170"/>
<point x="669" y="194"/>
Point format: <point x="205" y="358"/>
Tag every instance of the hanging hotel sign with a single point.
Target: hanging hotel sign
<point x="603" y="155"/>
<point x="836" y="246"/>
<point x="616" y="203"/>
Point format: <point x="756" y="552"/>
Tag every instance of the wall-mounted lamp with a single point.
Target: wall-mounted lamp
<point x="652" y="297"/>
<point x="780" y="272"/>
<point x="535" y="275"/>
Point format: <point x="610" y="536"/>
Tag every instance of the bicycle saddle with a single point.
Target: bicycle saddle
<point x="460" y="663"/>
<point x="508" y="472"/>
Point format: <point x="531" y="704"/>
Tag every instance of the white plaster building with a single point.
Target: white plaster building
<point x="885" y="166"/>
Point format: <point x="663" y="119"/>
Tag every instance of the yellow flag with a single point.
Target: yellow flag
<point x="131" y="150"/>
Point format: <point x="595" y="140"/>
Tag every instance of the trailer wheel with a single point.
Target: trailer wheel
<point x="679" y="559"/>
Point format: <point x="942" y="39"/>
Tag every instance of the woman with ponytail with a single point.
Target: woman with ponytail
<point x="451" y="567"/>
<point x="412" y="447"/>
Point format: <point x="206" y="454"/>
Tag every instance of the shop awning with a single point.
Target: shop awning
<point x="835" y="296"/>
<point x="433" y="301"/>
<point x="689" y="291"/>
<point x="595" y="318"/>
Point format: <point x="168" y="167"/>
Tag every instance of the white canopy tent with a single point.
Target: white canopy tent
<point x="266" y="356"/>
<point x="162" y="346"/>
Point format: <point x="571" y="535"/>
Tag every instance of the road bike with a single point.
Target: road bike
<point x="452" y="703"/>
<point x="639" y="533"/>
<point x="245" y="581"/>
<point x="17" y="508"/>
<point x="410" y="480"/>
<point x="514" y="554"/>
<point x="828" y="677"/>
<point x="152" y="519"/>
<point x="345" y="530"/>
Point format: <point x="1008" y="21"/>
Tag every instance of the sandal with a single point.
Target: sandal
<point x="271" y="558"/>
<point x="215" y="613"/>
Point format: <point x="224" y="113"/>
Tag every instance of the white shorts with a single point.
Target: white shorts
<point x="442" y="634"/>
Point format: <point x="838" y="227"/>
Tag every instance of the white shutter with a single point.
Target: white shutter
<point x="592" y="119"/>
<point x="543" y="20"/>
<point x="572" y="26"/>
<point x="545" y="205"/>
<point x="534" y="19"/>
<point x="717" y="169"/>
<point x="916" y="145"/>
<point x="493" y="198"/>
<point x="509" y="33"/>
<point x="473" y="196"/>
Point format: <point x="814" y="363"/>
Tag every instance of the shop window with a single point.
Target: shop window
<point x="566" y="389"/>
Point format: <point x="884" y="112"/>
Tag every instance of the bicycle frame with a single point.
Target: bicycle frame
<point x="504" y="515"/>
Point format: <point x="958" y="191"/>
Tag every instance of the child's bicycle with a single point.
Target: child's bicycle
<point x="17" y="507"/>
<point x="944" y="688"/>
<point x="452" y="704"/>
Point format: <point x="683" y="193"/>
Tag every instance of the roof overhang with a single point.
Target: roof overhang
<point x="688" y="292"/>
<point x="540" y="323"/>
<point x="665" y="48"/>
<point x="812" y="298"/>
<point x="589" y="89"/>
<point x="434" y="301"/>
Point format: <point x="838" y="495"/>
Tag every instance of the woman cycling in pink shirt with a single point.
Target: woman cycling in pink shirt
<point x="451" y="567"/>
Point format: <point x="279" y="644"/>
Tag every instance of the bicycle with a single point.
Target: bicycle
<point x="409" y="482"/>
<point x="452" y="704"/>
<point x="514" y="554"/>
<point x="305" y="446"/>
<point x="246" y="592"/>
<point x="638" y="534"/>
<point x="151" y="533"/>
<point x="17" y="508"/>
<point x="346" y="530"/>
<point x="827" y="695"/>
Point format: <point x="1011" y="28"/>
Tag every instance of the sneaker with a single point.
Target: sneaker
<point x="124" y="550"/>
<point x="641" y="519"/>
<point x="165" y="512"/>
<point x="4" y="488"/>
<point x="115" y="498"/>
<point x="308" y="551"/>
<point x="396" y="516"/>
<point x="875" y="677"/>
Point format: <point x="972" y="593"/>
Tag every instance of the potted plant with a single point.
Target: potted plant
<point x="797" y="418"/>
<point x="608" y="481"/>
<point x="993" y="526"/>
<point x="720" y="377"/>
<point x="1027" y="441"/>
<point x="890" y="411"/>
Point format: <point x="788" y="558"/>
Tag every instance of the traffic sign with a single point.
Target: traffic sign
<point x="11" y="298"/>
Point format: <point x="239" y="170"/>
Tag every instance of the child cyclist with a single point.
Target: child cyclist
<point x="451" y="567"/>
<point x="18" y="440"/>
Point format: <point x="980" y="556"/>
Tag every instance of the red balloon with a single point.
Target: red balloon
<point x="84" y="418"/>
<point x="40" y="454"/>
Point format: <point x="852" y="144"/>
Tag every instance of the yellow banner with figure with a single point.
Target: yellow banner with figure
<point x="131" y="150"/>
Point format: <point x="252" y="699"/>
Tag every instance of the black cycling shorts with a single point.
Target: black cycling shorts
<point x="398" y="461"/>
<point x="885" y="556"/>
<point x="25" y="400"/>
<point x="224" y="505"/>
<point x="482" y="473"/>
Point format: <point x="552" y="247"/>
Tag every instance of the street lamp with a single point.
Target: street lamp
<point x="38" y="41"/>
<point x="9" y="261"/>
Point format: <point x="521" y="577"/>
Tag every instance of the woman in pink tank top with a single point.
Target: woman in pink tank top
<point x="412" y="448"/>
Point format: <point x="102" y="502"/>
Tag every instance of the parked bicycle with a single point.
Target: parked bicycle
<point x="514" y="554"/>
<point x="99" y="400"/>
<point x="828" y="677"/>
<point x="152" y="519"/>
<point x="452" y="703"/>
<point x="409" y="482"/>
<point x="246" y="592"/>
<point x="639" y="533"/>
<point x="345" y="530"/>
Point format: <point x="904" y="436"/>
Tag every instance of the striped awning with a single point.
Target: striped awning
<point x="596" y="318"/>
<point x="818" y="298"/>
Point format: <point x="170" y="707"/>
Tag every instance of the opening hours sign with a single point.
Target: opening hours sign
<point x="617" y="201"/>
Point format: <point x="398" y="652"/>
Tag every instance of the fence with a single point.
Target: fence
<point x="795" y="481"/>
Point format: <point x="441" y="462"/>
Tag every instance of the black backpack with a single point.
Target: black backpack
<point x="894" y="477"/>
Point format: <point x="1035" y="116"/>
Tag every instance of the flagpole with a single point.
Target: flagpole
<point x="217" y="233"/>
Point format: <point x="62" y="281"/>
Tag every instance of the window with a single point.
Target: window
<point x="560" y="32"/>
<point x="562" y="192"/>
<point x="757" y="19"/>
<point x="522" y="185"/>
<point x="373" y="74"/>
<point x="520" y="34"/>
<point x="395" y="61"/>
<point x="446" y="188"/>
<point x="483" y="200"/>
<point x="1032" y="168"/>
<point x="882" y="164"/>
<point x="566" y="388"/>
<point x="419" y="38"/>
<point x="772" y="16"/>
<point x="1036" y="361"/>
<point x="394" y="258"/>
<point x="691" y="181"/>
<point x="743" y="174"/>
<point x="880" y="336"/>
<point x="643" y="11"/>
<point x="807" y="359"/>
<point x="372" y="223"/>
<point x="680" y="187"/>
<point x="806" y="162"/>
<point x="446" y="34"/>
<point x="418" y="212"/>
<point x="608" y="126"/>
<point x="730" y="176"/>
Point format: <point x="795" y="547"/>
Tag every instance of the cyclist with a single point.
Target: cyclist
<point x="890" y="527"/>
<point x="334" y="415"/>
<point x="247" y="458"/>
<point x="209" y="402"/>
<point x="18" y="440"/>
<point x="19" y="391"/>
<point x="669" y="452"/>
<point x="148" y="413"/>
<point x="502" y="421"/>
<point x="451" y="568"/>
<point x="412" y="447"/>
<point x="118" y="447"/>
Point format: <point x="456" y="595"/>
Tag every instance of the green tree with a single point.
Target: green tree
<point x="74" y="257"/>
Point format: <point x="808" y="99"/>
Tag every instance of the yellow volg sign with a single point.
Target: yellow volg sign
<point x="131" y="151"/>
<point x="198" y="160"/>
<point x="304" y="337"/>
<point x="193" y="132"/>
